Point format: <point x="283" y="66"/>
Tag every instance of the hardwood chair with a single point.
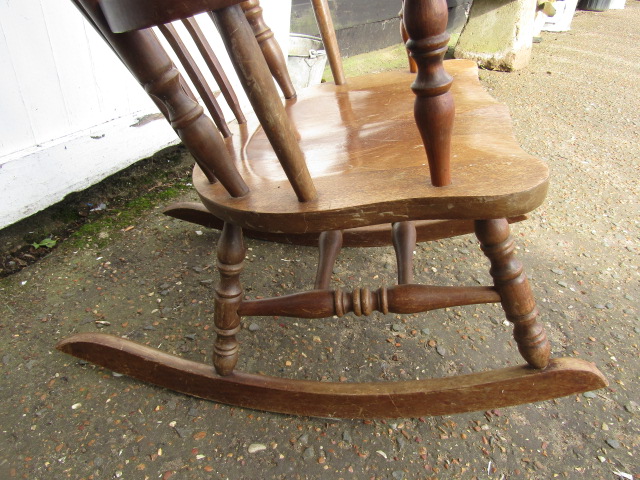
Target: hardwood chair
<point x="334" y="159"/>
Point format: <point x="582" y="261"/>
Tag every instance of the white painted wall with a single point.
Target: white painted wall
<point x="67" y="104"/>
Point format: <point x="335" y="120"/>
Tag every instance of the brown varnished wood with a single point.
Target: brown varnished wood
<point x="371" y="236"/>
<point x="362" y="301"/>
<point x="194" y="72"/>
<point x="413" y="68"/>
<point x="404" y="243"/>
<point x="426" y="23"/>
<point x="145" y="58"/>
<point x="512" y="284"/>
<point x="329" y="245"/>
<point x="256" y="79"/>
<point x="269" y="46"/>
<point x="215" y="68"/>
<point x="439" y="396"/>
<point x="328" y="34"/>
<point x="381" y="178"/>
<point x="228" y="297"/>
<point x="127" y="15"/>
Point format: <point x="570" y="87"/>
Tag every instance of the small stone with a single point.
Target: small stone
<point x="303" y="439"/>
<point x="398" y="475"/>
<point x="148" y="327"/>
<point x="116" y="374"/>
<point x="613" y="443"/>
<point x="628" y="297"/>
<point x="206" y="282"/>
<point x="308" y="453"/>
<point x="256" y="447"/>
<point x="190" y="336"/>
<point x="198" y="269"/>
<point x="346" y="436"/>
<point x="589" y="395"/>
<point x="396" y="327"/>
<point x="563" y="284"/>
<point x="601" y="459"/>
<point x="164" y="293"/>
<point x="441" y="351"/>
<point x="631" y="407"/>
<point x="599" y="306"/>
<point x="254" y="327"/>
<point x="425" y="331"/>
<point x="557" y="271"/>
<point x="628" y="311"/>
<point x="609" y="305"/>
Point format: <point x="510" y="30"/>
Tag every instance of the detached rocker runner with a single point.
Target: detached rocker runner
<point x="331" y="163"/>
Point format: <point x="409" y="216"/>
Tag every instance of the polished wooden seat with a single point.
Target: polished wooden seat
<point x="365" y="154"/>
<point x="351" y="160"/>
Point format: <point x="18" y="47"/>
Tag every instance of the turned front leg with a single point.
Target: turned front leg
<point x="425" y="22"/>
<point x="515" y="294"/>
<point x="228" y="297"/>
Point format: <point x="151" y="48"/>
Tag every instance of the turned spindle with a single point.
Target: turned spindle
<point x="425" y="22"/>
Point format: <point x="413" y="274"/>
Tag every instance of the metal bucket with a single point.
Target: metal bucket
<point x="306" y="60"/>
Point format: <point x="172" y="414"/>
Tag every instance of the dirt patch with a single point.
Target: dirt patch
<point x="144" y="184"/>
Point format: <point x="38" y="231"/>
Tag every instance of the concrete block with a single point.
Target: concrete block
<point x="498" y="34"/>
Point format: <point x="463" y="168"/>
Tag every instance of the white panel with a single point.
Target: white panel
<point x="30" y="53"/>
<point x="15" y="125"/>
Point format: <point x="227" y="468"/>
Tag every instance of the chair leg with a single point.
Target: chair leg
<point x="329" y="245"/>
<point x="228" y="296"/>
<point x="516" y="296"/>
<point x="404" y="243"/>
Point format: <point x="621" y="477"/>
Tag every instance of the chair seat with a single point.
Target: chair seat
<point x="368" y="163"/>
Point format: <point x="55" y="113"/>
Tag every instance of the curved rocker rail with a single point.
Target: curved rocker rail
<point x="441" y="396"/>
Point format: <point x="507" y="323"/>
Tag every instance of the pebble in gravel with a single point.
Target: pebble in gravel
<point x="613" y="443"/>
<point x="254" y="327"/>
<point x="308" y="453"/>
<point x="256" y="447"/>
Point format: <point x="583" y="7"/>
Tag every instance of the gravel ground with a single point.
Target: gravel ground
<point x="576" y="106"/>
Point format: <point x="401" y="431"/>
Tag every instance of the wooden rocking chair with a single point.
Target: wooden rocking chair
<point x="334" y="165"/>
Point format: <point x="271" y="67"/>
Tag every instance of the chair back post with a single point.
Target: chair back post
<point x="269" y="46"/>
<point x="328" y="34"/>
<point x="255" y="77"/>
<point x="143" y="55"/>
<point x="426" y="22"/>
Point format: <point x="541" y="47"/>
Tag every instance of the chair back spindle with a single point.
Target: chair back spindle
<point x="214" y="67"/>
<point x="269" y="46"/>
<point x="328" y="34"/>
<point x="194" y="72"/>
<point x="255" y="77"/>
